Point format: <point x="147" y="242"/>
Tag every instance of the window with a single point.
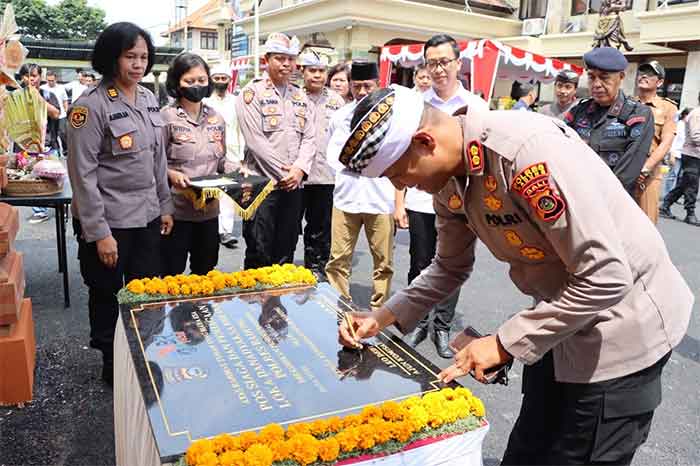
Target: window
<point x="533" y="9"/>
<point x="176" y="38"/>
<point x="189" y="40"/>
<point x="208" y="40"/>
<point x="578" y="7"/>
<point x="228" y="39"/>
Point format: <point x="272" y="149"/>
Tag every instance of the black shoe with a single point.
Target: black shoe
<point x="442" y="344"/>
<point x="691" y="219"/>
<point x="416" y="336"/>
<point x="228" y="240"/>
<point x="665" y="212"/>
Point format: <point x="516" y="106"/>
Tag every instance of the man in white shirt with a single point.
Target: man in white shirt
<point x="358" y="202"/>
<point x="223" y="102"/>
<point x="60" y="93"/>
<point x="77" y="86"/>
<point x="414" y="208"/>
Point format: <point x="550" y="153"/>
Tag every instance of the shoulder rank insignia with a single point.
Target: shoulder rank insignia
<point x="513" y="238"/>
<point x="248" y="95"/>
<point x="78" y="117"/>
<point x="493" y="203"/>
<point x="475" y="155"/>
<point x="112" y="92"/>
<point x="212" y="120"/>
<point x="454" y="202"/>
<point x="297" y="96"/>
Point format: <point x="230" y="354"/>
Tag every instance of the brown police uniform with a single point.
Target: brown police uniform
<point x="318" y="188"/>
<point x="117" y="170"/>
<point x="279" y="130"/>
<point x="610" y="303"/>
<point x="664" y="111"/>
<point x="195" y="147"/>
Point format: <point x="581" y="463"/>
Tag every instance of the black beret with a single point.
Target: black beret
<point x="363" y="70"/>
<point x="605" y="59"/>
<point x="567" y="76"/>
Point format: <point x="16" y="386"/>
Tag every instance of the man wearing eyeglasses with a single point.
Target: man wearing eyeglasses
<point x="414" y="208"/>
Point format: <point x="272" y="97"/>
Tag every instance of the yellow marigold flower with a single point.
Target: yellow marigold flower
<point x="319" y="426"/>
<point x="214" y="273"/>
<point x="219" y="282"/>
<point x="304" y="448"/>
<point x="232" y="458"/>
<point x="352" y="420"/>
<point x="328" y="449"/>
<point x="271" y="433"/>
<point x="366" y="437"/>
<point x="136" y="286"/>
<point x="463" y="392"/>
<point x="197" y="449"/>
<point x="410" y="402"/>
<point x="348" y="439"/>
<point x="370" y="412"/>
<point x="281" y="450"/>
<point x="246" y="439"/>
<point x="448" y="393"/>
<point x="298" y="428"/>
<point x="224" y="442"/>
<point x="382" y="432"/>
<point x="181" y="279"/>
<point x="258" y="455"/>
<point x="185" y="289"/>
<point x="231" y="280"/>
<point x="335" y="424"/>
<point x="207" y="287"/>
<point x="208" y="458"/>
<point x="462" y="407"/>
<point x="478" y="407"/>
<point x="196" y="288"/>
<point x="402" y="430"/>
<point x="418" y="416"/>
<point x="174" y="289"/>
<point x="392" y="411"/>
<point x="151" y="288"/>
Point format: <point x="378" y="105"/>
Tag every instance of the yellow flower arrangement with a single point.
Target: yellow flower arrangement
<point x="216" y="281"/>
<point x="328" y="440"/>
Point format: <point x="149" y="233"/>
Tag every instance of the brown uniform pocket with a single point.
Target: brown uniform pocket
<point x="125" y="139"/>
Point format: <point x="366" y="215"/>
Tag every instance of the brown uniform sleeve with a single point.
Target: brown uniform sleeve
<point x="250" y="121"/>
<point x="84" y="145"/>
<point x="584" y="238"/>
<point x="307" y="149"/>
<point x="160" y="169"/>
<point x="451" y="267"/>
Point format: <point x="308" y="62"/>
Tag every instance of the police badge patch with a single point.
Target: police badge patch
<point x="78" y="117"/>
<point x="248" y="95"/>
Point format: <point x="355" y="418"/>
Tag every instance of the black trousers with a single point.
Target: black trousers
<point x="271" y="235"/>
<point x="199" y="240"/>
<point x="599" y="423"/>
<point x="139" y="256"/>
<point x="317" y="210"/>
<point x="687" y="185"/>
<point x="423" y="241"/>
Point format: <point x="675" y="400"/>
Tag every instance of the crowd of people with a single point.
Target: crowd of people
<point x="561" y="197"/>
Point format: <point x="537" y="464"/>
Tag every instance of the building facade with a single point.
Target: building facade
<point x="665" y="30"/>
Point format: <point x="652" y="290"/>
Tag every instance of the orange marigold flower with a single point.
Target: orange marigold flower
<point x="348" y="438"/>
<point x="207" y="287"/>
<point x="197" y="449"/>
<point x="402" y="430"/>
<point x="298" y="428"/>
<point x="370" y="412"/>
<point x="136" y="286"/>
<point x="304" y="448"/>
<point x="174" y="289"/>
<point x="271" y="433"/>
<point x="281" y="450"/>
<point x="258" y="455"/>
<point x="247" y="439"/>
<point x="232" y="458"/>
<point x="392" y="411"/>
<point x="151" y="288"/>
<point x="208" y="458"/>
<point x="319" y="426"/>
<point x="185" y="289"/>
<point x="335" y="424"/>
<point x="352" y="420"/>
<point x="219" y="282"/>
<point x="224" y="442"/>
<point x="366" y="437"/>
<point x="196" y="288"/>
<point x="328" y="449"/>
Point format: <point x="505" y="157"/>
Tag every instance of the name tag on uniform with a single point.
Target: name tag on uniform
<point x="615" y="130"/>
<point x="118" y="115"/>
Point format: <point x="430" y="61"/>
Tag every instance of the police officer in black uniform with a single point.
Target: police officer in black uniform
<point x="617" y="128"/>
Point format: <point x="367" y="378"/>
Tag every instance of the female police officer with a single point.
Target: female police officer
<point x="117" y="167"/>
<point x="194" y="138"/>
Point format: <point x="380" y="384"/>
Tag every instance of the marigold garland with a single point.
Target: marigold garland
<point x="327" y="440"/>
<point x="217" y="282"/>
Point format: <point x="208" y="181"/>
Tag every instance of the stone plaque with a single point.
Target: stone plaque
<point x="237" y="363"/>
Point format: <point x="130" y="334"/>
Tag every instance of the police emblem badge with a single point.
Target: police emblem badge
<point x="78" y="117"/>
<point x="248" y="95"/>
<point x="126" y="142"/>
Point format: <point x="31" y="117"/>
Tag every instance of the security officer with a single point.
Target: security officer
<point x="616" y="127"/>
<point x="649" y="80"/>
<point x="318" y="188"/>
<point x="610" y="303"/>
<point x="278" y="126"/>
<point x="565" y="85"/>
<point x="121" y="200"/>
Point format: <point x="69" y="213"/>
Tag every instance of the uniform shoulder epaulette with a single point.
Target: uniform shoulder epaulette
<point x="255" y="80"/>
<point x="670" y="101"/>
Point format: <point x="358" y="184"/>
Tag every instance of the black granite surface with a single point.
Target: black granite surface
<point x="233" y="364"/>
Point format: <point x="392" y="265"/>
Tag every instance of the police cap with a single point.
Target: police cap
<point x="567" y="76"/>
<point x="655" y="67"/>
<point x="605" y="59"/>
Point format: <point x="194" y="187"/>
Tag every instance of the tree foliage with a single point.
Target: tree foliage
<point x="69" y="19"/>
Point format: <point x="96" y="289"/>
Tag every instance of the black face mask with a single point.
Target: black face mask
<point x="194" y="93"/>
<point x="220" y="86"/>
